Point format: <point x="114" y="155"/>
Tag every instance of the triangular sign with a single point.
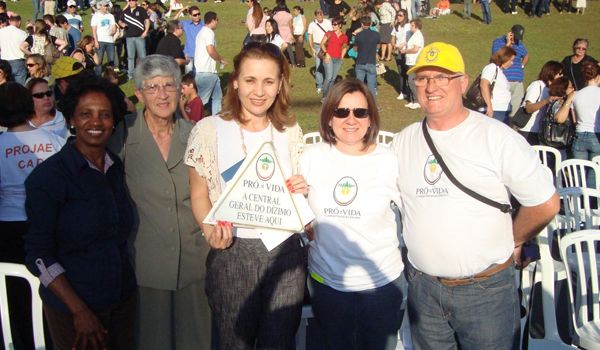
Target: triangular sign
<point x="257" y="196"/>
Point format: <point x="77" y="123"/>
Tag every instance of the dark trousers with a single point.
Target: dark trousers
<point x="256" y="295"/>
<point x="300" y="60"/>
<point x="118" y="321"/>
<point x="402" y="76"/>
<point x="18" y="290"/>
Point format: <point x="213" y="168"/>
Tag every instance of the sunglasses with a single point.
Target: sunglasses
<point x="265" y="47"/>
<point x="345" y="112"/>
<point x="31" y="65"/>
<point x="42" y="94"/>
<point x="195" y="14"/>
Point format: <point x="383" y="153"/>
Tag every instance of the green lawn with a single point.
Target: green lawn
<point x="546" y="38"/>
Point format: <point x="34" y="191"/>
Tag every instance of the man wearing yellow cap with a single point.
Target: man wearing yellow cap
<point x="461" y="247"/>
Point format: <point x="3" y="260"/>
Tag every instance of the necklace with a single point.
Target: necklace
<point x="244" y="149"/>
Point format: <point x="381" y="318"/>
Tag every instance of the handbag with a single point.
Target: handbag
<point x="522" y="117"/>
<point x="380" y="68"/>
<point x="473" y="97"/>
<point x="554" y="134"/>
<point x="505" y="208"/>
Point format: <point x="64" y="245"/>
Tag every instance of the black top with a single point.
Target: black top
<point x="367" y="41"/>
<point x="336" y="9"/>
<point x="573" y="70"/>
<point x="81" y="219"/>
<point x="170" y="45"/>
<point x="135" y="21"/>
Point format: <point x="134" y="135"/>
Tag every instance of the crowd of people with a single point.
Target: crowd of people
<point x="107" y="204"/>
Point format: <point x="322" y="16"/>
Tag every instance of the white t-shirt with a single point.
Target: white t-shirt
<point x="11" y="38"/>
<point x="416" y="39"/>
<point x="533" y="96"/>
<point x="202" y="60"/>
<point x="298" y="25"/>
<point x="74" y="20"/>
<point x="229" y="153"/>
<point x="103" y="22"/>
<point x="587" y="108"/>
<point x="448" y="233"/>
<point x="57" y="126"/>
<point x="356" y="243"/>
<point x="21" y="153"/>
<point x="318" y="33"/>
<point x="277" y="41"/>
<point x="401" y="34"/>
<point x="501" y="92"/>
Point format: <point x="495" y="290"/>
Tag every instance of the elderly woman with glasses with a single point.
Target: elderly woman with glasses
<point x="354" y="258"/>
<point x="255" y="293"/>
<point x="573" y="64"/>
<point x="169" y="250"/>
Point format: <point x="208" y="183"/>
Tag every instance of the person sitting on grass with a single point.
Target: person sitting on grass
<point x="442" y="8"/>
<point x="190" y="104"/>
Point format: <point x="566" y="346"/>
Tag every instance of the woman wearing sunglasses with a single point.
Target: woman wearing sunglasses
<point x="37" y="67"/>
<point x="354" y="258"/>
<point x="46" y="116"/>
<point x="255" y="294"/>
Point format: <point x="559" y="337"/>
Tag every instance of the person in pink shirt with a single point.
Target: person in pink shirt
<point x="283" y="17"/>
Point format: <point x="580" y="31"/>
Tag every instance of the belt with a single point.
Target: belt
<point x="485" y="274"/>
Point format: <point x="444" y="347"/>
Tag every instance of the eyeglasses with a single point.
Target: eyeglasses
<point x="439" y="80"/>
<point x="265" y="47"/>
<point x="154" y="88"/>
<point x="42" y="94"/>
<point x="31" y="65"/>
<point x="581" y="48"/>
<point x="345" y="112"/>
<point x="196" y="14"/>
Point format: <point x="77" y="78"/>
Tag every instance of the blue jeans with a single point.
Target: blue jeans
<point x="486" y="11"/>
<point x="480" y="315"/>
<point x="467" y="8"/>
<point x="209" y="86"/>
<point x="586" y="146"/>
<point x="501" y="116"/>
<point x="368" y="71"/>
<point x="324" y="7"/>
<point x="38" y="11"/>
<point x="18" y="70"/>
<point x="135" y="44"/>
<point x="109" y="48"/>
<point x="416" y="8"/>
<point x="369" y="319"/>
<point x="331" y="71"/>
<point x="402" y="76"/>
<point x="319" y="67"/>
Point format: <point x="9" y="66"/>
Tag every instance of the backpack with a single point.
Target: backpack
<point x="554" y="134"/>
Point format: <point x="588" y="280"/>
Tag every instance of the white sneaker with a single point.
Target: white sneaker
<point x="514" y="13"/>
<point x="409" y="105"/>
<point x="415" y="105"/>
<point x="319" y="91"/>
<point x="400" y="97"/>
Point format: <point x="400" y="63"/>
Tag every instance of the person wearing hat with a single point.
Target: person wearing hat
<point x="515" y="74"/>
<point x="72" y="17"/>
<point x="460" y="268"/>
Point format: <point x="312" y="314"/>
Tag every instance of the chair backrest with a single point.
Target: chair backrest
<point x="572" y="173"/>
<point x="549" y="156"/>
<point x="312" y="137"/>
<point x="385" y="137"/>
<point x="582" y="276"/>
<point x="578" y="204"/>
<point x="16" y="270"/>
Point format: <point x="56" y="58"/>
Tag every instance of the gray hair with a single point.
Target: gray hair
<point x="156" y="66"/>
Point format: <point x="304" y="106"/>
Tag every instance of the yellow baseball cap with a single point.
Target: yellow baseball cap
<point x="440" y="55"/>
<point x="65" y="67"/>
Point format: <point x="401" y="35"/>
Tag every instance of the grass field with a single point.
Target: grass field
<point x="546" y="38"/>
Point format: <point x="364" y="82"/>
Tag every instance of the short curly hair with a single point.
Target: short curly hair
<point x="81" y="87"/>
<point x="16" y="104"/>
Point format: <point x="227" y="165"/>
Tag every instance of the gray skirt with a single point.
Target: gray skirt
<point x="385" y="33"/>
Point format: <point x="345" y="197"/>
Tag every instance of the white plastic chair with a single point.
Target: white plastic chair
<point x="577" y="204"/>
<point x="312" y="137"/>
<point x="16" y="270"/>
<point x="385" y="137"/>
<point x="572" y="173"/>
<point x="583" y="286"/>
<point x="549" y="156"/>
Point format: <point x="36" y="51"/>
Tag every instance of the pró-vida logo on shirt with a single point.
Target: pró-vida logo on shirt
<point x="344" y="193"/>
<point x="432" y="172"/>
